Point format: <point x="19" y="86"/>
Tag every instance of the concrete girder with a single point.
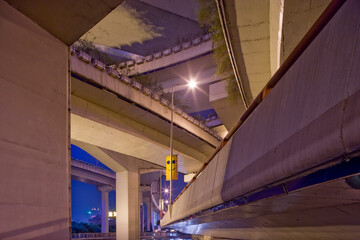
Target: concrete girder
<point x="97" y="153"/>
<point x="116" y="161"/>
<point x="98" y="134"/>
<point x="67" y="20"/>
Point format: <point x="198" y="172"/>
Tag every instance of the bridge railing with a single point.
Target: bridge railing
<point x="93" y="236"/>
<point x="92" y="168"/>
<point x="146" y="235"/>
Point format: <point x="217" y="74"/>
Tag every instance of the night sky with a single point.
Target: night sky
<point x="84" y="196"/>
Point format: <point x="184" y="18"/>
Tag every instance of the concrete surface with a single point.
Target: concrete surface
<point x="116" y="122"/>
<point x="143" y="29"/>
<point x="110" y="84"/>
<point x="127" y="206"/>
<point x="228" y="110"/>
<point x="66" y="20"/>
<point x="297" y="135"/>
<point x="34" y="131"/>
<point x="298" y="17"/>
<point x="305" y="122"/>
<point x="276" y="24"/>
<point x="184" y="8"/>
<point x="264" y="32"/>
<point x="249" y="25"/>
<point x="313" y="213"/>
<point x="104" y="189"/>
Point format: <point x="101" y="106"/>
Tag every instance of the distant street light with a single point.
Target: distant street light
<point x="190" y="84"/>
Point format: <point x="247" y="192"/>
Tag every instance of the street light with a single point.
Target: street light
<point x="190" y="84"/>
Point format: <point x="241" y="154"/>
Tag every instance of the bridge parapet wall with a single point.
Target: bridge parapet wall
<point x="308" y="121"/>
<point x="301" y="124"/>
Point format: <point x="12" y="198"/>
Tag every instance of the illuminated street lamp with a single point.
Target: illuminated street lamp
<point x="190" y="84"/>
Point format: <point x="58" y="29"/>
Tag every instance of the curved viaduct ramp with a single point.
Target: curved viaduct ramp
<point x="281" y="174"/>
<point x="112" y="112"/>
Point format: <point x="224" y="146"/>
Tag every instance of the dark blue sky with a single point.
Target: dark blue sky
<point x="85" y="196"/>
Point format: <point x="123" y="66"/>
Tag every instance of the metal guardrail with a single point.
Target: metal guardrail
<point x="110" y="236"/>
<point x="165" y="235"/>
<point x="89" y="236"/>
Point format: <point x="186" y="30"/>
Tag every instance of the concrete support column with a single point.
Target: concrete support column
<point x="148" y="215"/>
<point x="105" y="189"/>
<point x="152" y="228"/>
<point x="141" y="213"/>
<point x="34" y="128"/>
<point x="127" y="205"/>
<point x="142" y="218"/>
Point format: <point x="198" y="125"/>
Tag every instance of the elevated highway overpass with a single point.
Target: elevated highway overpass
<point x="88" y="173"/>
<point x="38" y="103"/>
<point x="281" y="172"/>
<point x="115" y="113"/>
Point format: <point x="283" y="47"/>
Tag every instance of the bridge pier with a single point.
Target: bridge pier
<point x="104" y="189"/>
<point x="149" y="224"/>
<point x="127" y="205"/>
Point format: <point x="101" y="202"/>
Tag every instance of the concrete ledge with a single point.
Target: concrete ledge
<point x="172" y="56"/>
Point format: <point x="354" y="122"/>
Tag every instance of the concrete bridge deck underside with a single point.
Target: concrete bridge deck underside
<point x="307" y="123"/>
<point x="132" y="124"/>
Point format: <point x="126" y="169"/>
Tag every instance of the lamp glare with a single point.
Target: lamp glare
<point x="192" y="84"/>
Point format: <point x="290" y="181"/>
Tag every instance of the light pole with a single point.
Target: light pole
<point x="190" y="84"/>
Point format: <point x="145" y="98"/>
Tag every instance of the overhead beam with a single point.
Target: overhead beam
<point x="67" y="20"/>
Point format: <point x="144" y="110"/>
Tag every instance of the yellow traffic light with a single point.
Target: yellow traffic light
<point x="174" y="167"/>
